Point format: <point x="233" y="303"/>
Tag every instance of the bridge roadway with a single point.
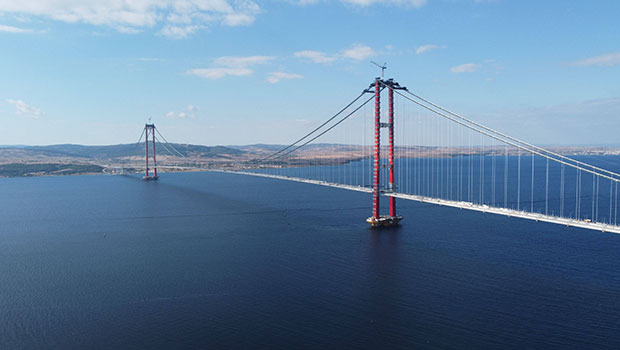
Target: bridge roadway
<point x="449" y="203"/>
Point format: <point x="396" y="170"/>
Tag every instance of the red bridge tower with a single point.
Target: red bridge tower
<point x="376" y="219"/>
<point x="149" y="129"/>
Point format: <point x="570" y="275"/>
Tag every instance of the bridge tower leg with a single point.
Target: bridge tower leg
<point x="377" y="157"/>
<point x="154" y="159"/>
<point x="146" y="151"/>
<point x="390" y="149"/>
<point x="149" y="129"/>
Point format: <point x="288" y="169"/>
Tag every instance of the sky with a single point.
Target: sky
<point x="234" y="72"/>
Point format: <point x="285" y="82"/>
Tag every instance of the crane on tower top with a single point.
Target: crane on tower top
<point x="383" y="68"/>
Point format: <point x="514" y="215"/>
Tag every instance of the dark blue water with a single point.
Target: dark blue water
<point x="212" y="260"/>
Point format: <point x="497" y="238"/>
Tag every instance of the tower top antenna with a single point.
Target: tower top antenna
<point x="383" y="68"/>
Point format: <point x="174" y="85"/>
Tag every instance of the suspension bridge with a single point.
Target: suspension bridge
<point x="432" y="155"/>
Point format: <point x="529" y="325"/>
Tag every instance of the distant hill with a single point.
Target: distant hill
<point x="257" y="146"/>
<point x="120" y="151"/>
<point x="276" y="147"/>
<point x="13" y="170"/>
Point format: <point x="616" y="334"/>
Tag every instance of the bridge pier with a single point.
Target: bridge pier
<point x="378" y="220"/>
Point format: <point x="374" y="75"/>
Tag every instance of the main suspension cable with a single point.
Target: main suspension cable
<point x="169" y="144"/>
<point x="328" y="129"/>
<point x="516" y="144"/>
<point x="540" y="149"/>
<point x="313" y="131"/>
<point x="132" y="158"/>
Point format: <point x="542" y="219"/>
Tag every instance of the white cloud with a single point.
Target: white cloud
<point x="179" y="32"/>
<point x="306" y="2"/>
<point x="191" y="113"/>
<point x="238" y="19"/>
<point x="465" y="68"/>
<point x="11" y="29"/>
<point x="178" y="18"/>
<point x="245" y="14"/>
<point x="358" y="52"/>
<point x="365" y="3"/>
<point x="610" y="59"/>
<point x="275" y="77"/>
<point x="425" y="48"/>
<point x="241" y="62"/>
<point x="316" y="56"/>
<point x="128" y="30"/>
<point x="230" y="66"/>
<point x="220" y="72"/>
<point x="21" y="108"/>
<point x="173" y="115"/>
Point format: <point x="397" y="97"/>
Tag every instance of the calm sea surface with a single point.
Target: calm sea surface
<point x="213" y="260"/>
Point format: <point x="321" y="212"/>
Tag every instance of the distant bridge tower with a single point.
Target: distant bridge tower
<point x="149" y="129"/>
<point x="376" y="219"/>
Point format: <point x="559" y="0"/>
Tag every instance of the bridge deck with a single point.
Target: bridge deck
<point x="455" y="204"/>
<point x="308" y="181"/>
